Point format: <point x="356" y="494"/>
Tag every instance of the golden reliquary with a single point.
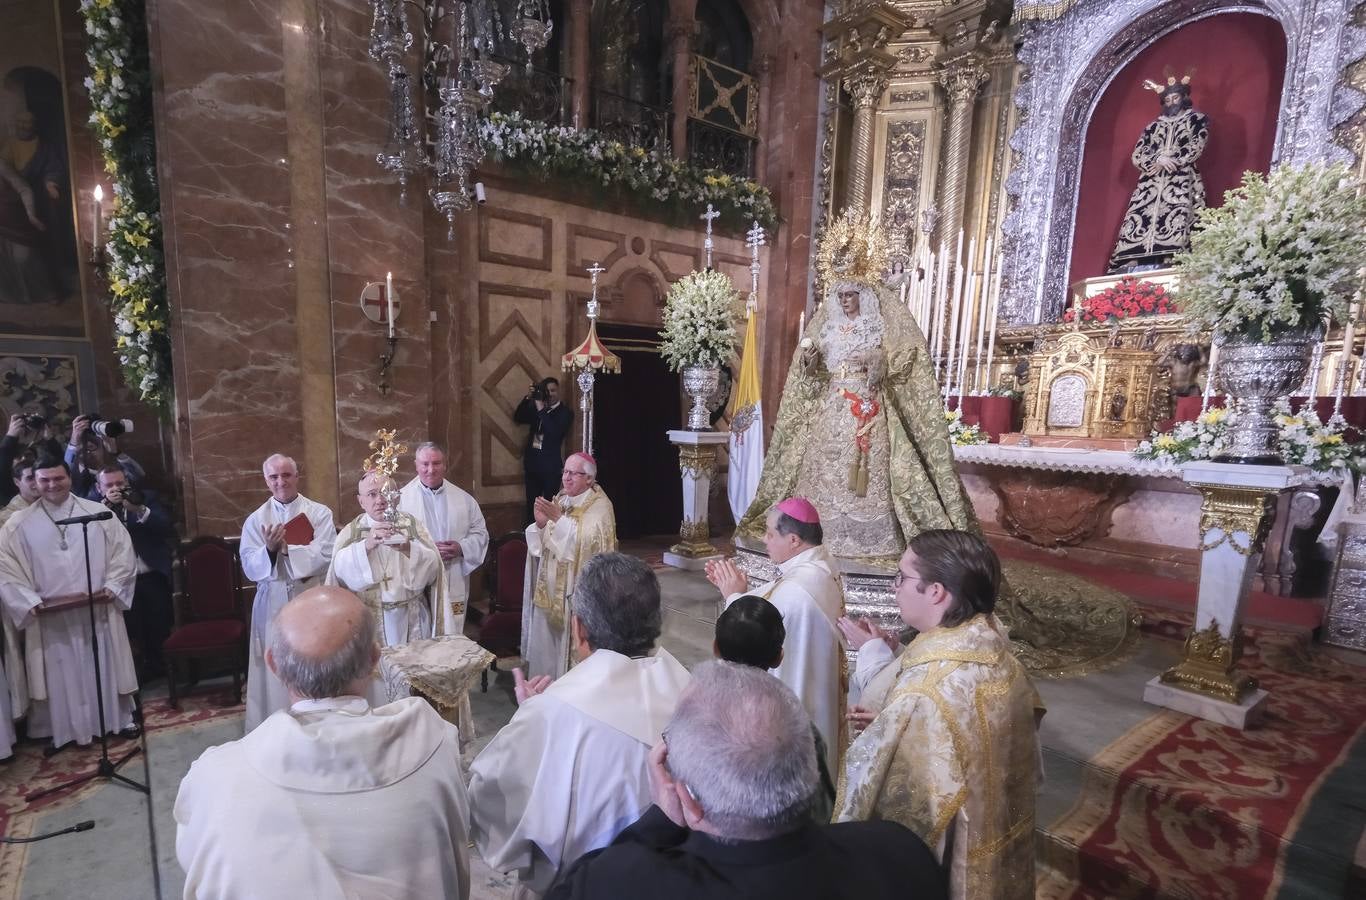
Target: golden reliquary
<point x="1089" y="384"/>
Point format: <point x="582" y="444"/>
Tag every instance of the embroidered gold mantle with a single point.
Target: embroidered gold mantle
<point x="595" y="532"/>
<point x="953" y="756"/>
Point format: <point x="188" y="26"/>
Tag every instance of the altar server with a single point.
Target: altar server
<point x="44" y="593"/>
<point x="286" y="547"/>
<point x="456" y="525"/>
<point x="807" y="592"/>
<point x="570" y="770"/>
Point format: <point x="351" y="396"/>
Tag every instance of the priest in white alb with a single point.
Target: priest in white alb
<point x="44" y="592"/>
<point x="456" y="524"/>
<point x="566" y="533"/>
<point x="808" y="594"/>
<point x="13" y="678"/>
<point x="570" y="770"/>
<point x="286" y="547"/>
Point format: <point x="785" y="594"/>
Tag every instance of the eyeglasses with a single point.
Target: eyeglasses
<point x="899" y="579"/>
<point x="574" y="473"/>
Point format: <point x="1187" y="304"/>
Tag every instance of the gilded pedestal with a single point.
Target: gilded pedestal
<point x="697" y="464"/>
<point x="1239" y="504"/>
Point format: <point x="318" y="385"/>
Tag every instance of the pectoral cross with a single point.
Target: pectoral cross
<point x="707" y="244"/>
<point x="384" y="581"/>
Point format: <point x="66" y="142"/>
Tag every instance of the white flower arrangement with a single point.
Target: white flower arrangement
<point x="1280" y="254"/>
<point x="1304" y="439"/>
<point x="960" y="434"/>
<point x="699" y="321"/>
<point x="119" y="86"/>
<point x="656" y="177"/>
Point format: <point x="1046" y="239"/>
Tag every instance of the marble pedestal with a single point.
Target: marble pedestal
<point x="1235" y="516"/>
<point x="697" y="464"/>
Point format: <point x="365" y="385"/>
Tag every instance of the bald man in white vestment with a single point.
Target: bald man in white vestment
<point x="331" y="798"/>
<point x="456" y="524"/>
<point x="570" y="770"/>
<point x="285" y="559"/>
<point x="808" y="594"/>
<point x="43" y="589"/>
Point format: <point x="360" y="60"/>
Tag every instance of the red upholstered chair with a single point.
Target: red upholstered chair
<point x="211" y="623"/>
<point x="501" y="633"/>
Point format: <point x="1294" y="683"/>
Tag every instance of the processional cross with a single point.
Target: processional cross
<point x="707" y="244"/>
<point x="754" y="239"/>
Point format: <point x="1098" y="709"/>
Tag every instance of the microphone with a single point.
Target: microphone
<point x="81" y="520"/>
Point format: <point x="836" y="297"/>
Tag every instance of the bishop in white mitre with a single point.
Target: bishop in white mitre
<point x="43" y="590"/>
<point x="569" y="771"/>
<point x="394" y="568"/>
<point x="808" y="594"/>
<point x="456" y="524"/>
<point x="566" y="532"/>
<point x="281" y="569"/>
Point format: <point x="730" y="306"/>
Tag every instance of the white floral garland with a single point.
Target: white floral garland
<point x="699" y="321"/>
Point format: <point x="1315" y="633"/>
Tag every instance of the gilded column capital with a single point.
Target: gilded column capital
<point x="962" y="80"/>
<point x="866" y="88"/>
<point x="1232" y="511"/>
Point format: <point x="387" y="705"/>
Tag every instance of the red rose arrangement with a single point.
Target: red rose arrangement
<point x="1126" y="300"/>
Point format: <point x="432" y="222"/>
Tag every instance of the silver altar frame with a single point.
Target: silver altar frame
<point x="1077" y="55"/>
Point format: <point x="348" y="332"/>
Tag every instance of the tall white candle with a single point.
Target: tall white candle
<point x="1345" y="357"/>
<point x="993" y="312"/>
<point x="954" y="317"/>
<point x="969" y="315"/>
<point x="389" y="300"/>
<point x="984" y="307"/>
<point x="99" y="220"/>
<point x="801" y="325"/>
<point x="941" y="306"/>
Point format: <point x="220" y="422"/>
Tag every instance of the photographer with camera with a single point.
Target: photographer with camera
<point x="94" y="445"/>
<point x="550" y="422"/>
<point x="150" y="618"/>
<point x="29" y="434"/>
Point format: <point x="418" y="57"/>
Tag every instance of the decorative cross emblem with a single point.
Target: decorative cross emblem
<point x="593" y="272"/>
<point x="754" y="239"/>
<point x="707" y="244"/>
<point x="384" y="580"/>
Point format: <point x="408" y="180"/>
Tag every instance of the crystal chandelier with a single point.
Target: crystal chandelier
<point x="460" y="72"/>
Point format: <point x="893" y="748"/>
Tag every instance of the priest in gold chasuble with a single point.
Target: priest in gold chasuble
<point x="953" y="753"/>
<point x="566" y="532"/>
<point x="1170" y="192"/>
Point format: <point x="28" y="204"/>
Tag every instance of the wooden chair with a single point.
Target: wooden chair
<point x="210" y="614"/>
<point x="501" y="633"/>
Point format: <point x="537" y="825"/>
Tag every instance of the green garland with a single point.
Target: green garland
<point x="120" y="90"/>
<point x="657" y="179"/>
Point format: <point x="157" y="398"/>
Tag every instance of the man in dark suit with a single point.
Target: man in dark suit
<point x="731" y="782"/>
<point x="542" y="458"/>
<point x="150" y="618"/>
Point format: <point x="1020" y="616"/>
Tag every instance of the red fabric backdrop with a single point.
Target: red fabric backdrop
<point x="1239" y="62"/>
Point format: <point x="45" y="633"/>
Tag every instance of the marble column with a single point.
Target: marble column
<point x="697" y="463"/>
<point x="1239" y="504"/>
<point x="580" y="50"/>
<point x="680" y="32"/>
<point x="867" y="90"/>
<point x="961" y="80"/>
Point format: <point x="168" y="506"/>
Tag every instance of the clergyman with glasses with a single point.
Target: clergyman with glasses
<point x="565" y="533"/>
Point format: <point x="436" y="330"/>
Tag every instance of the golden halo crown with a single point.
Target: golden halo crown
<point x="853" y="248"/>
<point x="1158" y="88"/>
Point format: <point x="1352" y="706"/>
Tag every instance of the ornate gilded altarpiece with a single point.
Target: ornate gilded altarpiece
<point x="1069" y="52"/>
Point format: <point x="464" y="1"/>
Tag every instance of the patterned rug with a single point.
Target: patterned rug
<point x="30" y="772"/>
<point x="1182" y="807"/>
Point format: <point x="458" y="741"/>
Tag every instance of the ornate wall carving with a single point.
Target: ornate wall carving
<point x="1067" y="64"/>
<point x="905" y="156"/>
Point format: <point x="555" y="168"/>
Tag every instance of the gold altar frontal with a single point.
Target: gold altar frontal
<point x="1091" y="385"/>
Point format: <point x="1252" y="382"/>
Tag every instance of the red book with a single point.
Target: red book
<point x="299" y="531"/>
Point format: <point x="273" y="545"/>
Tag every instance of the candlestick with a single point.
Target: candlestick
<point x="941" y="312"/>
<point x="969" y="315"/>
<point x="995" y="311"/>
<point x="982" y="320"/>
<point x="389" y="301"/>
<point x="954" y="316"/>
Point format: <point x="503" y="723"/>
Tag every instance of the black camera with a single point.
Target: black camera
<point x="538" y="392"/>
<point x="131" y="494"/>
<point x="35" y="422"/>
<point x="109" y="428"/>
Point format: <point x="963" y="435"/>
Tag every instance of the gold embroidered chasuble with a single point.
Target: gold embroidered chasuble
<point x="373" y="596"/>
<point x="953" y="755"/>
<point x="595" y="532"/>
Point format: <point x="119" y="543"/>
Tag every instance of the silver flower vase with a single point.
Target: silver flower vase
<point x="1256" y="375"/>
<point x="700" y="383"/>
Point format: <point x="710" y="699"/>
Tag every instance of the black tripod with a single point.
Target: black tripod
<point x="106" y="767"/>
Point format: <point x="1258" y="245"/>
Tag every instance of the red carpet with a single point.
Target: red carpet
<point x="1182" y="807"/>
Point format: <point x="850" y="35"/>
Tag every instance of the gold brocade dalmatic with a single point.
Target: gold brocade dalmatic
<point x="953" y="756"/>
<point x="596" y="532"/>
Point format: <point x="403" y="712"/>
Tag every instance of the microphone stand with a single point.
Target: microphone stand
<point x="106" y="767"/>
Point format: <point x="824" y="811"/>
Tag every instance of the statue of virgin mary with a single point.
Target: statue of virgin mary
<point x="861" y="433"/>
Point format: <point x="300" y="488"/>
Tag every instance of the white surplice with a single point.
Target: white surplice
<point x="293" y="570"/>
<point x="14" y="690"/>
<point x="59" y="662"/>
<point x="808" y="594"/>
<point x="570" y="770"/>
<point x="450" y="514"/>
<point x="330" y="799"/>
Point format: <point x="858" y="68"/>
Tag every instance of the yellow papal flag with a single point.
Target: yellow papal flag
<point x="746" y="427"/>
